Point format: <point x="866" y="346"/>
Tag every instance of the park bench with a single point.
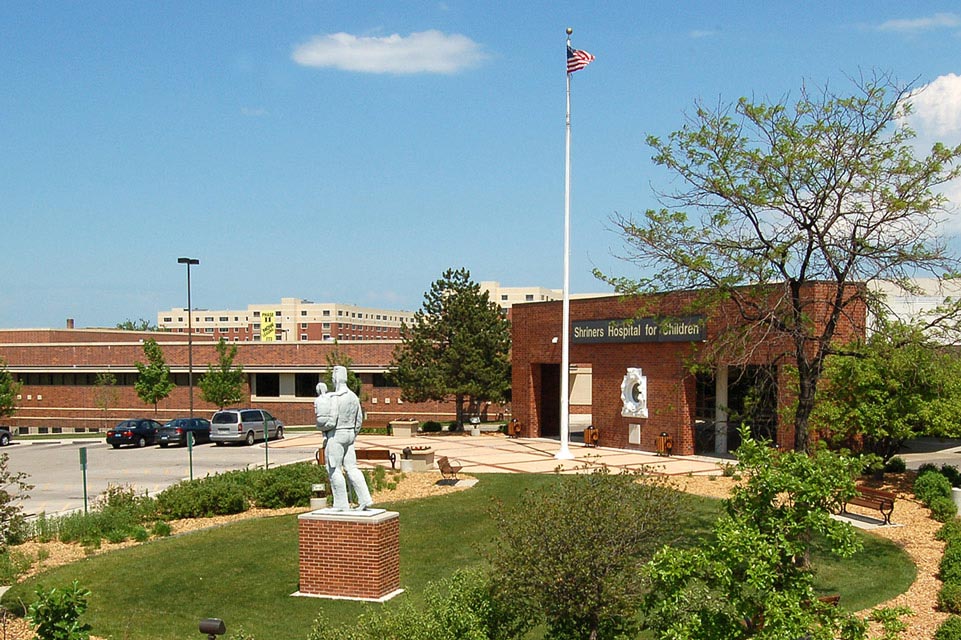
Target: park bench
<point x="448" y="470"/>
<point x="870" y="498"/>
<point x="377" y="454"/>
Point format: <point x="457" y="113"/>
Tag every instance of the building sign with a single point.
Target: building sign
<point x="683" y="329"/>
<point x="267" y="327"/>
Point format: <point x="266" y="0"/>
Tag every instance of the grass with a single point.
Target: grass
<point x="245" y="572"/>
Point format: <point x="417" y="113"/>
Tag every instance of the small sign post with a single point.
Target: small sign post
<point x="83" y="468"/>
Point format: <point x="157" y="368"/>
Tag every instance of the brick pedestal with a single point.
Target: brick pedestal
<point x="350" y="556"/>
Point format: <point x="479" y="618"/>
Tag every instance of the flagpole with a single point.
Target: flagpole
<point x="564" y="453"/>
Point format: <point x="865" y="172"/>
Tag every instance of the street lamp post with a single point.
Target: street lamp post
<point x="190" y="334"/>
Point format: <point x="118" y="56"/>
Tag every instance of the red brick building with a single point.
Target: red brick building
<point x="699" y="412"/>
<point x="58" y="370"/>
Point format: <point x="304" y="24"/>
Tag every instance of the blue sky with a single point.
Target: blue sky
<point x="352" y="151"/>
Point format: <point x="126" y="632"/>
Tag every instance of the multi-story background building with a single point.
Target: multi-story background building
<point x="292" y="320"/>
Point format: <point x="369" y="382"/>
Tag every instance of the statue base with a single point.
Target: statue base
<point x="351" y="555"/>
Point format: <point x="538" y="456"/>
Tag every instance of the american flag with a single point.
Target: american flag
<point x="577" y="59"/>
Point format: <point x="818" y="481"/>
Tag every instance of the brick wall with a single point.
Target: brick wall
<point x="671" y="388"/>
<point x="349" y="556"/>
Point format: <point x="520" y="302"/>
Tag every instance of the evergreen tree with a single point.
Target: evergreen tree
<point x="458" y="345"/>
<point x="9" y="388"/>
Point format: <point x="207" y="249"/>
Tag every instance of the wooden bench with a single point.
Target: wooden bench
<point x="448" y="470"/>
<point x="883" y="501"/>
<point x="377" y="454"/>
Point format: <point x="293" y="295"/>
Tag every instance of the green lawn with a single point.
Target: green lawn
<point x="245" y="572"/>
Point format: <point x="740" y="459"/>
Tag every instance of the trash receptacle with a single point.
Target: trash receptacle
<point x="664" y="444"/>
<point x="591" y="436"/>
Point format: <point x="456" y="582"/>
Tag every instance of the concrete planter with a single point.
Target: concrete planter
<point x="956" y="496"/>
<point x="403" y="428"/>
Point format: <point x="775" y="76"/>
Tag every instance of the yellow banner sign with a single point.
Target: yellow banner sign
<point x="267" y="327"/>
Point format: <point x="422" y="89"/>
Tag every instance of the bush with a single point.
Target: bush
<point x="929" y="486"/>
<point x="950" y="629"/>
<point x="927" y="467"/>
<point x="287" y="486"/>
<point x="431" y="426"/>
<point x="950" y="530"/>
<point x="943" y="509"/>
<point x="56" y="613"/>
<point x="202" y="499"/>
<point x="895" y="465"/>
<point x="949" y="598"/>
<point x="161" y="529"/>
<point x="13" y="564"/>
<point x="952" y="474"/>
<point x="950" y="567"/>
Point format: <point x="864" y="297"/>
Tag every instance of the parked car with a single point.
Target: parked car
<point x="6" y="434"/>
<point x="139" y="432"/>
<point x="244" y="425"/>
<point x="175" y="431"/>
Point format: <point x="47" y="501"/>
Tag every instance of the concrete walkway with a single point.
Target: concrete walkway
<point x="495" y="453"/>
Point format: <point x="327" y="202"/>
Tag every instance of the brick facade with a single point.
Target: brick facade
<point x="671" y="390"/>
<point x="349" y="556"/>
<point x="65" y="398"/>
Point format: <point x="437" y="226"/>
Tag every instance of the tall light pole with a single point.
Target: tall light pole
<point x="190" y="334"/>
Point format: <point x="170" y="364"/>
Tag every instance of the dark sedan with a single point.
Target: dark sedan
<point x="139" y="432"/>
<point x="175" y="431"/>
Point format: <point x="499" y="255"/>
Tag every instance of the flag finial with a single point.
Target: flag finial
<point x="569" y="31"/>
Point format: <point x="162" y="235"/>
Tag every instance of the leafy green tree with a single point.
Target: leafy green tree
<point x="893" y="386"/>
<point x="136" y="325"/>
<point x="571" y="554"/>
<point x="224" y="384"/>
<point x="153" y="382"/>
<point x="338" y="357"/>
<point x="9" y="388"/>
<point x="13" y="490"/>
<point x="776" y="198"/>
<point x="458" y="345"/>
<point x="106" y="394"/>
<point x="753" y="578"/>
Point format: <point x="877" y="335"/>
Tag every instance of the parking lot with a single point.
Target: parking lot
<point x="54" y="467"/>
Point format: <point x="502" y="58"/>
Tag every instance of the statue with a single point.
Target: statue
<point x="341" y="427"/>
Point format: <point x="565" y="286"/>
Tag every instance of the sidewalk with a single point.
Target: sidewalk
<point x="496" y="453"/>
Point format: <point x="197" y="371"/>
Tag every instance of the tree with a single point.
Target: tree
<point x="458" y="345"/>
<point x="753" y="579"/>
<point x="13" y="491"/>
<point x="57" y="612"/>
<point x="136" y="325"/>
<point x="153" y="382"/>
<point x="337" y="357"/>
<point x="571" y="554"/>
<point x="224" y="384"/>
<point x="894" y="385"/>
<point x="825" y="191"/>
<point x="9" y="388"/>
<point x="106" y="395"/>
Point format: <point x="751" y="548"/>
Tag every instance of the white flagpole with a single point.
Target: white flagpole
<point x="564" y="453"/>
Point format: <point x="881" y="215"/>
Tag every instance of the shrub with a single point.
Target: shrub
<point x="950" y="566"/>
<point x="13" y="564"/>
<point x="201" y="499"/>
<point x="927" y="467"/>
<point x="895" y="465"/>
<point x="943" y="509"/>
<point x="950" y="629"/>
<point x="952" y="474"/>
<point x="929" y="486"/>
<point x="431" y="426"/>
<point x="950" y="530"/>
<point x="161" y="529"/>
<point x="56" y="613"/>
<point x="949" y="598"/>
<point x="287" y="486"/>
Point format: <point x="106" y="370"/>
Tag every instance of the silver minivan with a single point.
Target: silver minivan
<point x="244" y="425"/>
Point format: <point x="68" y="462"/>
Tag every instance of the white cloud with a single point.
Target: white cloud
<point x="937" y="110"/>
<point x="254" y="112"/>
<point x="912" y="25"/>
<point x="702" y="33"/>
<point x="422" y="52"/>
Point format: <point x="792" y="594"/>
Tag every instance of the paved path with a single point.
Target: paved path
<point x="498" y="454"/>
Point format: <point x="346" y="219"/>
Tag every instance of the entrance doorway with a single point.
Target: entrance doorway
<point x="549" y="401"/>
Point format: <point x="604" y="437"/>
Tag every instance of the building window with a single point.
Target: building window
<point x="208" y="319"/>
<point x="305" y="384"/>
<point x="209" y="330"/>
<point x="224" y="319"/>
<point x="303" y="336"/>
<point x="529" y="297"/>
<point x="267" y="384"/>
<point x="326" y="336"/>
<point x="303" y="325"/>
<point x="168" y="319"/>
<point x="504" y="296"/>
<point x="303" y="312"/>
<point x="256" y="314"/>
<point x="326" y="325"/>
<point x="327" y="313"/>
